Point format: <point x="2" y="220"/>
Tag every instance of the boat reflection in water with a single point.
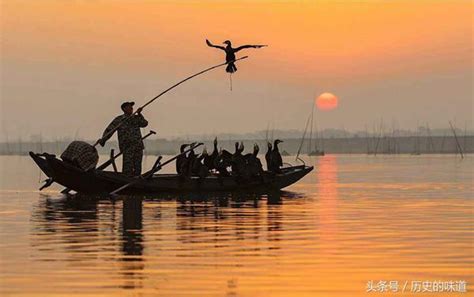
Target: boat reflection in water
<point x="87" y="230"/>
<point x="137" y="239"/>
<point x="62" y="221"/>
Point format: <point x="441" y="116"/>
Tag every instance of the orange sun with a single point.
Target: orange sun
<point x="326" y="101"/>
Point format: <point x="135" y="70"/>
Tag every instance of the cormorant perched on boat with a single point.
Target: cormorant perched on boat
<point x="230" y="53"/>
<point x="181" y="160"/>
<point x="241" y="147"/>
<point x="253" y="165"/>
<point x="268" y="156"/>
<point x="189" y="163"/>
<point x="223" y="160"/>
<point x="197" y="168"/>
<point x="236" y="148"/>
<point x="276" y="160"/>
<point x="226" y="154"/>
<point x="210" y="159"/>
<point x="238" y="161"/>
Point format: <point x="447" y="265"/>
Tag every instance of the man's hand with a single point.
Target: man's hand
<point x="139" y="110"/>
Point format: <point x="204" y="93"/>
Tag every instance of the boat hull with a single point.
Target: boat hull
<point x="100" y="182"/>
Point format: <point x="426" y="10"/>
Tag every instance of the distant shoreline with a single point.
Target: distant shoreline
<point x="353" y="145"/>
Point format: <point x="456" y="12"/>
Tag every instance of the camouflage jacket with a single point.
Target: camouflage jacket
<point x="129" y="135"/>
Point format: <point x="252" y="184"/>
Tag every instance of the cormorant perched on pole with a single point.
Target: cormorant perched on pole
<point x="230" y="55"/>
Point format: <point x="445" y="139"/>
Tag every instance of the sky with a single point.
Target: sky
<point x="66" y="66"/>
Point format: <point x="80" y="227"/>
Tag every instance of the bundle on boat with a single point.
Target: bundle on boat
<point x="81" y="154"/>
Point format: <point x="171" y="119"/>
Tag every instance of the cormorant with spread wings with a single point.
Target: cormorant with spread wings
<point x="230" y="53"/>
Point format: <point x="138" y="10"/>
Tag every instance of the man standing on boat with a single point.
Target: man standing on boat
<point x="129" y="138"/>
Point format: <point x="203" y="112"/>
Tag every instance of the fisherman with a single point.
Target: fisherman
<point x="129" y="137"/>
<point x="230" y="53"/>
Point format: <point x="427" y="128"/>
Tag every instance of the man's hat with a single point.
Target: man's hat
<point x="127" y="103"/>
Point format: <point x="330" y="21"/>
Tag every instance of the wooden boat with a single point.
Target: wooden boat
<point x="101" y="182"/>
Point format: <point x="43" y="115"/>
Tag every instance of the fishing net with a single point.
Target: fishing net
<point x="81" y="154"/>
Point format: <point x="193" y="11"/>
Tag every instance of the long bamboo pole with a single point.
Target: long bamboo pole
<point x="166" y="91"/>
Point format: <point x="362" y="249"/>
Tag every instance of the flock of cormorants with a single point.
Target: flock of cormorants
<point x="241" y="165"/>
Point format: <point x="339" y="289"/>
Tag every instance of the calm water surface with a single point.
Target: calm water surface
<point x="353" y="220"/>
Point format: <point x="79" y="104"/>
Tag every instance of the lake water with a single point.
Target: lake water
<point x="354" y="226"/>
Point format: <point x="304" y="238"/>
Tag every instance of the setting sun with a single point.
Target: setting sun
<point x="327" y="101"/>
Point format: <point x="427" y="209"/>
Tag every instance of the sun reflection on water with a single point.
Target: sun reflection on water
<point x="327" y="192"/>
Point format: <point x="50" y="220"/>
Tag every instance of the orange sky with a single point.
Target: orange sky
<point x="350" y="48"/>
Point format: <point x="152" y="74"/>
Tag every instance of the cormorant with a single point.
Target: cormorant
<point x="253" y="164"/>
<point x="210" y="159"/>
<point x="241" y="147"/>
<point x="223" y="160"/>
<point x="226" y="155"/>
<point x="181" y="160"/>
<point x="198" y="168"/>
<point x="268" y="156"/>
<point x="230" y="53"/>
<point x="238" y="161"/>
<point x="236" y="148"/>
<point x="190" y="163"/>
<point x="276" y="160"/>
